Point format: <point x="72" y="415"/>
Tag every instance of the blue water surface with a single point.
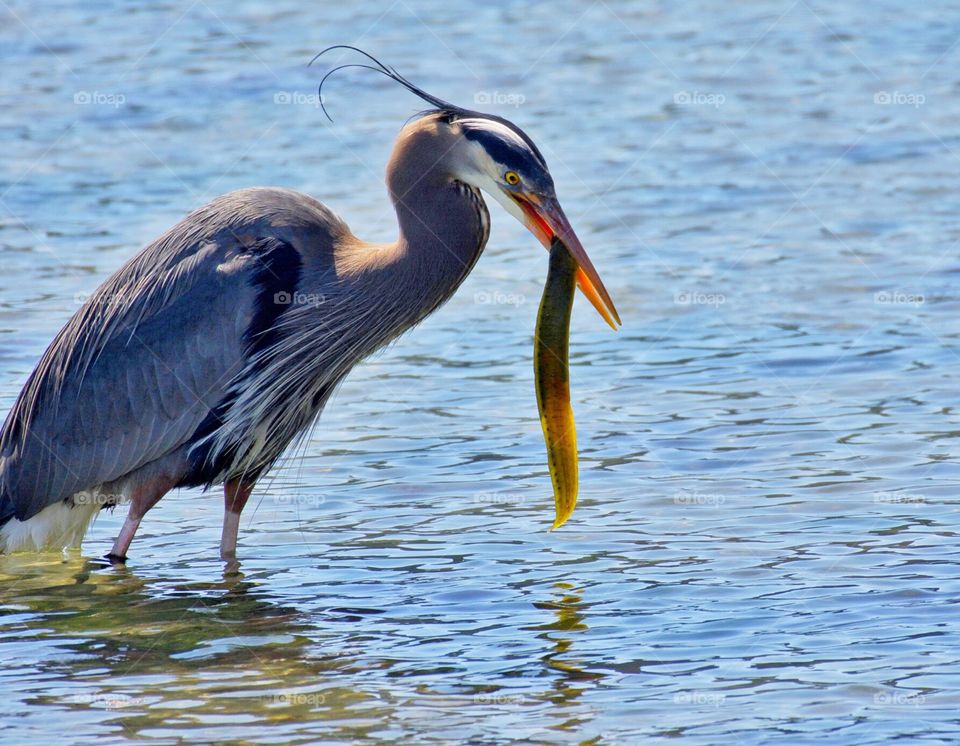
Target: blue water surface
<point x="766" y="546"/>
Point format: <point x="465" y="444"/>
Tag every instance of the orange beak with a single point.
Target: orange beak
<point x="546" y="220"/>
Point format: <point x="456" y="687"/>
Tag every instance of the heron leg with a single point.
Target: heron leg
<point x="144" y="497"/>
<point x="235" y="495"/>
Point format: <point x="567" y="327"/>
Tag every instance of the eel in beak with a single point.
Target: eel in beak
<point x="552" y="378"/>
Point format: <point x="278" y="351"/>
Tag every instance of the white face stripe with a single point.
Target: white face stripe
<point x="492" y="187"/>
<point x="481" y="172"/>
<point x="496" y="131"/>
<point x="495" y="128"/>
<point x="475" y="167"/>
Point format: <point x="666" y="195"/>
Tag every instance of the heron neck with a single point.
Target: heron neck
<point x="443" y="229"/>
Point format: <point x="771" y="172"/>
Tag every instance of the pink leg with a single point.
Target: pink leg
<point x="144" y="497"/>
<point x="235" y="495"/>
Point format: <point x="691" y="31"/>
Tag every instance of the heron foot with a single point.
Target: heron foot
<point x="115" y="559"/>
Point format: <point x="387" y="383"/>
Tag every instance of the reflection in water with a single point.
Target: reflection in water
<point x="569" y="610"/>
<point x="168" y="654"/>
<point x="570" y="680"/>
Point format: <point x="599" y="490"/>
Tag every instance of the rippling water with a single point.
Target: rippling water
<point x="766" y="546"/>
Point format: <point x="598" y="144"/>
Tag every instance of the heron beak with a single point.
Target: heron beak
<point x="546" y="220"/>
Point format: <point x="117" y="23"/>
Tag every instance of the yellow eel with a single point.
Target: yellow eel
<point x="552" y="379"/>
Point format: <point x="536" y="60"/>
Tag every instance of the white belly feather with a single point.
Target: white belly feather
<point x="56" y="527"/>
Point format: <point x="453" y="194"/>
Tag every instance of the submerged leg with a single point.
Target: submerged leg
<point x="145" y="496"/>
<point x="235" y="495"/>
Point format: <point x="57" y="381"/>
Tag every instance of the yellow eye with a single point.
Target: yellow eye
<point x="512" y="178"/>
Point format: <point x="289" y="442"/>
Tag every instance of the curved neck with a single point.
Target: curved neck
<point x="443" y="229"/>
<point x="443" y="222"/>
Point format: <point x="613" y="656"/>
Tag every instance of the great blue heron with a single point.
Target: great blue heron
<point x="202" y="358"/>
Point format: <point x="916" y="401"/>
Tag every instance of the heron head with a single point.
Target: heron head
<point x="498" y="157"/>
<point x="493" y="154"/>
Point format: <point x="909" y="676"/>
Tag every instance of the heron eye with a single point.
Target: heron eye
<point x="512" y="178"/>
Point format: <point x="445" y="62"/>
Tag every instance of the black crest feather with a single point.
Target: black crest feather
<point x="450" y="112"/>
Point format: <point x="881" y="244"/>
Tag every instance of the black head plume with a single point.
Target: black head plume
<point x="390" y="72"/>
<point x="451" y="112"/>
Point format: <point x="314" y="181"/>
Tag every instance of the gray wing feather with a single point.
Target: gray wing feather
<point x="135" y="394"/>
<point x="151" y="352"/>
